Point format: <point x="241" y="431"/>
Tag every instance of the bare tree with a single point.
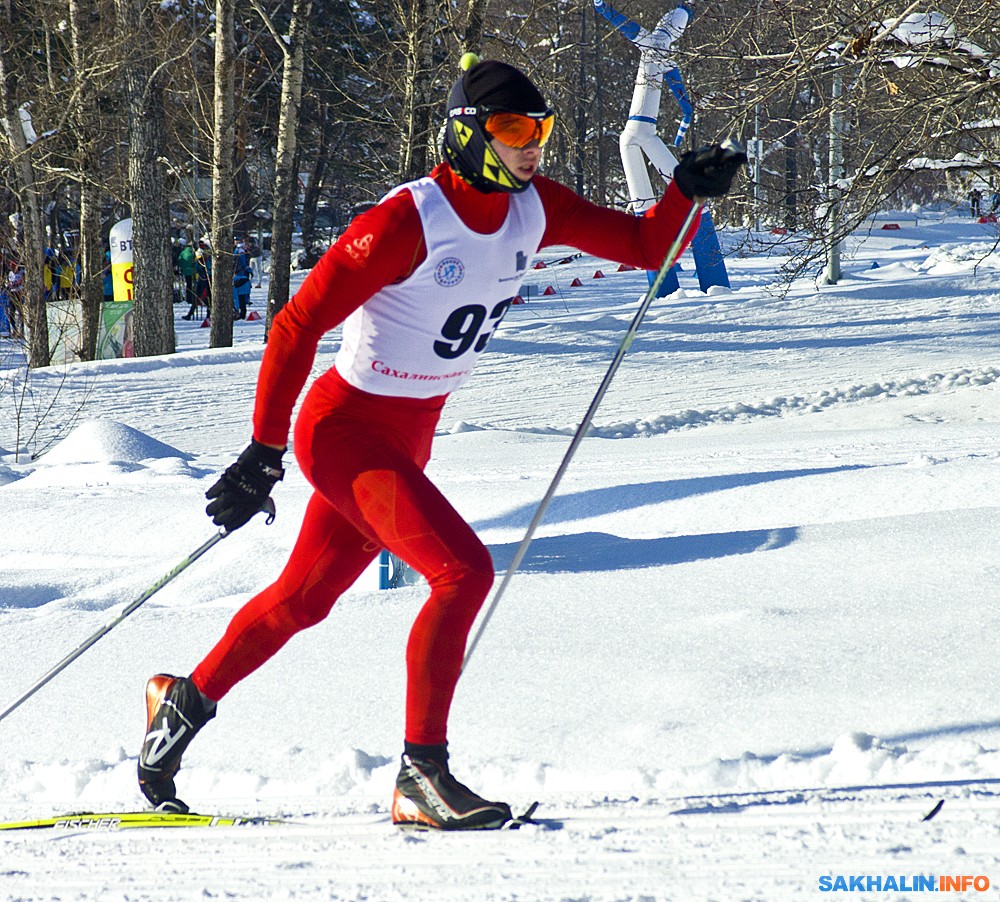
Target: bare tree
<point x="27" y="189"/>
<point x="144" y="78"/>
<point x="85" y="119"/>
<point x="423" y="23"/>
<point x="285" y="176"/>
<point x="475" y="25"/>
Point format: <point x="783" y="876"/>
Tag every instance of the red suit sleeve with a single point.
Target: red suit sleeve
<point x="381" y="246"/>
<point x="637" y="240"/>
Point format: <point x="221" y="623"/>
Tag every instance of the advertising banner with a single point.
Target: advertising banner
<point x="115" y="336"/>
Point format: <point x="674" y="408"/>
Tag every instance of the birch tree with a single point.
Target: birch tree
<point x="285" y="177"/>
<point x="421" y="22"/>
<point x="222" y="176"/>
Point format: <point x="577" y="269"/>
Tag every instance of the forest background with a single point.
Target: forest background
<point x="200" y="118"/>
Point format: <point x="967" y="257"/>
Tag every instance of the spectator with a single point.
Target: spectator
<point x="241" y="281"/>
<point x="50" y="273"/>
<point x="186" y="267"/>
<point x="107" y="279"/>
<point x="975" y="201"/>
<point x="995" y="201"/>
<point x="66" y="276"/>
<point x="203" y="276"/>
<point x="15" y="293"/>
<point x="254" y="253"/>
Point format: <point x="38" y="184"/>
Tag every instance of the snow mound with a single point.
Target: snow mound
<point x="464" y="426"/>
<point x="958" y="258"/>
<point x="108" y="441"/>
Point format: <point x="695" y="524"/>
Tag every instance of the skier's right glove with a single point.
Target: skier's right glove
<point x="710" y="170"/>
<point x="244" y="489"/>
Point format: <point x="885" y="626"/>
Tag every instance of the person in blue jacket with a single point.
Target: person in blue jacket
<point x="241" y="281"/>
<point x="107" y="280"/>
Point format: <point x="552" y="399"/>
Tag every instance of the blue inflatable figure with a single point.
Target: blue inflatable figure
<point x="640" y="142"/>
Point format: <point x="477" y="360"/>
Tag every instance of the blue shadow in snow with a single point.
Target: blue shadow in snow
<point x="597" y="551"/>
<point x="595" y="502"/>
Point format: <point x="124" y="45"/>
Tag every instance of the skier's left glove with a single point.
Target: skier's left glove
<point x="710" y="170"/>
<point x="244" y="489"/>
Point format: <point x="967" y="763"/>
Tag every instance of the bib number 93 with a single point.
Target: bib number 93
<point x="469" y="327"/>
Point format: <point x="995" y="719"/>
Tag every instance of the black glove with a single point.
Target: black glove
<point x="243" y="489"/>
<point x="709" y="171"/>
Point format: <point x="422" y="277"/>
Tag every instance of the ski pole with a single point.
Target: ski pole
<point x="135" y="605"/>
<point x="668" y="261"/>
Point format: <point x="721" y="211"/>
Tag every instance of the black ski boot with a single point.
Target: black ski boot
<point x="175" y="712"/>
<point x="428" y="796"/>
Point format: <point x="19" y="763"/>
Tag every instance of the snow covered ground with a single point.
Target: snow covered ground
<point x="753" y="645"/>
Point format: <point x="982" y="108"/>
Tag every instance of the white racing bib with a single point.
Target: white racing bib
<point x="423" y="337"/>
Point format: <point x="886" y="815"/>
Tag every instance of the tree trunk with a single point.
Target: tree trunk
<point x="32" y="246"/>
<point x="314" y="187"/>
<point x="475" y="26"/>
<point x="419" y="23"/>
<point x="581" y="144"/>
<point x="223" y="208"/>
<point x="285" y="180"/>
<point x="91" y="241"/>
<point x="153" y="311"/>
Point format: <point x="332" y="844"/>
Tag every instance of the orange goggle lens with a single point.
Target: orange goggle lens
<point x="518" y="130"/>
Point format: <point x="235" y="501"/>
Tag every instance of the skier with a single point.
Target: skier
<point x="420" y="282"/>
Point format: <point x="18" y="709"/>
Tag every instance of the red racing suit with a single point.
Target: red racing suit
<point x="364" y="453"/>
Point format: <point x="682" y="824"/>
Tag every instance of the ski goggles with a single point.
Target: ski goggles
<point x="518" y="129"/>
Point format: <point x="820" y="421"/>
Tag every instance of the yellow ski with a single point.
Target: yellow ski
<point x="128" y="820"/>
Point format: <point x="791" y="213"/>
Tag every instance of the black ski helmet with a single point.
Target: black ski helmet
<point x="486" y="85"/>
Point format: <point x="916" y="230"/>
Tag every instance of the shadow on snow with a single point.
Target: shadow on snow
<point x="614" y="499"/>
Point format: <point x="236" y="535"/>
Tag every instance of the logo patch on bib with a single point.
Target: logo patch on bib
<point x="449" y="272"/>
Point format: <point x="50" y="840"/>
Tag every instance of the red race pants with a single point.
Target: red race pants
<point x="364" y="455"/>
